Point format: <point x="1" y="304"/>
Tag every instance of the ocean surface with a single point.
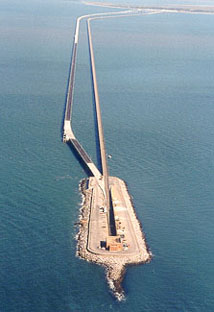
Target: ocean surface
<point x="156" y="83"/>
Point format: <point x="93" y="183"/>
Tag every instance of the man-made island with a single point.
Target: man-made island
<point x="121" y="245"/>
<point x="109" y="232"/>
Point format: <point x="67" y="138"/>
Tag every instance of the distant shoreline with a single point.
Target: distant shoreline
<point x="191" y="9"/>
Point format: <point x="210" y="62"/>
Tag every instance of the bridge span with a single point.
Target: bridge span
<point x="100" y="128"/>
<point x="68" y="134"/>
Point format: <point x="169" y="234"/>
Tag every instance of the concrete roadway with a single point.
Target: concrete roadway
<point x="100" y="127"/>
<point x="71" y="84"/>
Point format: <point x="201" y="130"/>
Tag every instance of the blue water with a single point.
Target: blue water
<point x="156" y="84"/>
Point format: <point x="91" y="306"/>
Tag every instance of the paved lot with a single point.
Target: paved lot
<point x="98" y="226"/>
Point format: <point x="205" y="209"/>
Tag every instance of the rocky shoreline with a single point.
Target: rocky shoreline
<point x="115" y="265"/>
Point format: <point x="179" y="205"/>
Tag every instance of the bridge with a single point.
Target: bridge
<point x="68" y="135"/>
<point x="103" y="179"/>
<point x="100" y="128"/>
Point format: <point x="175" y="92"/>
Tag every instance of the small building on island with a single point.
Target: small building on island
<point x="113" y="243"/>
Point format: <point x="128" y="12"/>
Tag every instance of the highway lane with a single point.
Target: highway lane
<point x="100" y="128"/>
<point x="71" y="84"/>
<point x="81" y="151"/>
